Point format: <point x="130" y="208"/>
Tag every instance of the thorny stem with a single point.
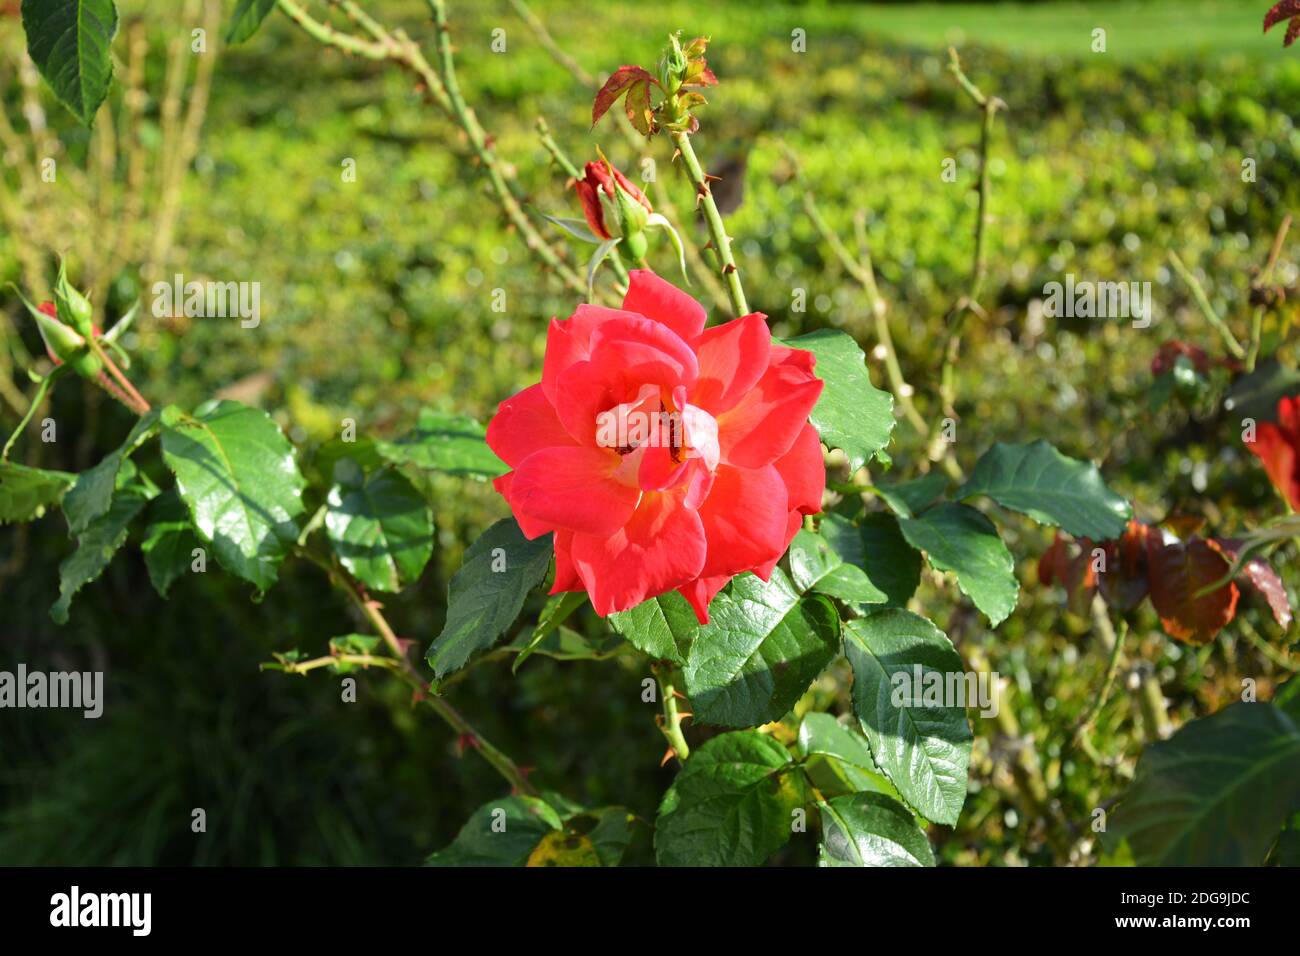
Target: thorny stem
<point x="444" y="89"/>
<point x="989" y="105"/>
<point x="661" y="199"/>
<point x="1207" y="310"/>
<point x="404" y="669"/>
<point x="860" y="268"/>
<point x="1265" y="278"/>
<point x="717" y="229"/>
<point x="671" y="721"/>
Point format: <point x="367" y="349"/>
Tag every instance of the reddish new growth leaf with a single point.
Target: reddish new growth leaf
<point x="1124" y="582"/>
<point x="1260" y="575"/>
<point x="1147" y="561"/>
<point x="1277" y="446"/>
<point x="1176" y="571"/>
<point x="632" y="81"/>
<point x="1285" y="10"/>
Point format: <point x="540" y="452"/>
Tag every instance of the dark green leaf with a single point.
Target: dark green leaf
<point x="852" y="414"/>
<point x="503" y="832"/>
<point x="871" y="829"/>
<point x="922" y="746"/>
<point x="235" y="471"/>
<point x="453" y="444"/>
<point x="816" y="565"/>
<point x="732" y="803"/>
<point x="1039" y="481"/>
<point x="846" y="750"/>
<point x="69" y="42"/>
<point x="1216" y="793"/>
<point x="879" y="548"/>
<point x="486" y="594"/>
<point x="379" y="526"/>
<point x="91" y="496"/>
<point x="96" y="546"/>
<point x="246" y="19"/>
<point x="25" y="493"/>
<point x="762" y="647"/>
<point x="906" y="498"/>
<point x="662" y="627"/>
<point x="959" y="539"/>
<point x="169" y="542"/>
<point x="1256" y="394"/>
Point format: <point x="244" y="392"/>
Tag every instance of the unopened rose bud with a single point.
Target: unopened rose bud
<point x="74" y="309"/>
<point x="613" y="206"/>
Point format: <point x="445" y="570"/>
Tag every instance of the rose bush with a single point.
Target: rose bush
<point x="662" y="455"/>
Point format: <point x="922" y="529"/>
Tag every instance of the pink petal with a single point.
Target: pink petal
<point x="764" y="424"/>
<point x="803" y="469"/>
<point x="701" y="592"/>
<point x="569" y="341"/>
<point x="573" y="488"/>
<point x="566" y="575"/>
<point x="733" y="357"/>
<point x="745" y="519"/>
<point x="664" y="302"/>
<point x="660" y="549"/>
<point x="523" y="424"/>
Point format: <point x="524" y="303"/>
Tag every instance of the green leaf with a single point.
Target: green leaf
<point x="1216" y="793"/>
<point x="662" y="627"/>
<point x="69" y="42"/>
<point x="1256" y="394"/>
<point x="852" y="414"/>
<point x="1039" y="481"/>
<point x="380" y="527"/>
<point x="959" y="539"/>
<point x="906" y="498"/>
<point x="235" y="471"/>
<point x="169" y="541"/>
<point x="503" y="832"/>
<point x="246" y="19"/>
<point x="91" y="496"/>
<point x="878" y="547"/>
<point x="845" y="750"/>
<point x="731" y="804"/>
<point x="454" y="444"/>
<point x="870" y="829"/>
<point x="762" y="647"/>
<point x="922" y="746"/>
<point x="96" y="546"/>
<point x="25" y="493"/>
<point x="486" y="594"/>
<point x="565" y="644"/>
<point x="577" y="228"/>
<point x="555" y="612"/>
<point x="816" y="565"/>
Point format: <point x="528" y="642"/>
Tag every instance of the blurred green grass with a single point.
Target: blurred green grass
<point x="377" y="298"/>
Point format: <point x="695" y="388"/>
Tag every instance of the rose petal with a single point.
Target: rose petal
<point x="764" y="424"/>
<point x="530" y="527"/>
<point x="569" y="341"/>
<point x="523" y="424"/>
<point x="803" y="469"/>
<point x="656" y="299"/>
<point x="700" y="592"/>
<point x="660" y="548"/>
<point x="745" y="519"/>
<point x="566" y="575"/>
<point x="733" y="357"/>
<point x="573" y="488"/>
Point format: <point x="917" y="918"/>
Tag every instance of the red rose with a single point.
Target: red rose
<point x="662" y="455"/>
<point x="604" y="180"/>
<point x="1277" y="445"/>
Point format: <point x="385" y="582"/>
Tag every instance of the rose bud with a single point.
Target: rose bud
<point x="614" y="207"/>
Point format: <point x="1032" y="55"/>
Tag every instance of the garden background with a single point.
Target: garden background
<point x="377" y="300"/>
